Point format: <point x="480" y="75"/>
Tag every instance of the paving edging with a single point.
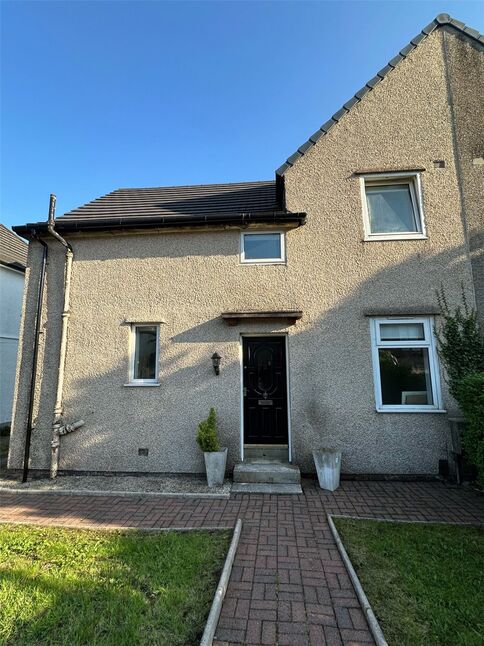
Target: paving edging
<point x="121" y="529"/>
<point x="459" y="523"/>
<point x="213" y="617"/>
<point x="373" y="624"/>
<point x="121" y="494"/>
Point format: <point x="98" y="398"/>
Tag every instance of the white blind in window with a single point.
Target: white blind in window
<point x="402" y="332"/>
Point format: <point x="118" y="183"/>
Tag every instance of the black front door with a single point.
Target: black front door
<point x="265" y="390"/>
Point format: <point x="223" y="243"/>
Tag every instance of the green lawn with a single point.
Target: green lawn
<point x="73" y="587"/>
<point x="425" y="582"/>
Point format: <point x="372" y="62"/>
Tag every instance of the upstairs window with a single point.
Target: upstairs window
<point x="144" y="354"/>
<point x="267" y="247"/>
<point x="405" y="365"/>
<point x="392" y="206"/>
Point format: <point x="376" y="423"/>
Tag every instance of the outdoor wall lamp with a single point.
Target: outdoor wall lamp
<point x="216" y="358"/>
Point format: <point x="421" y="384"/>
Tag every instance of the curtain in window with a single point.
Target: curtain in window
<point x="390" y="209"/>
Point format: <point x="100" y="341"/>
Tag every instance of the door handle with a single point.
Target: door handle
<point x="245" y="391"/>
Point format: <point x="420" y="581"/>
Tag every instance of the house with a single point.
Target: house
<point x="13" y="259"/>
<point x="317" y="290"/>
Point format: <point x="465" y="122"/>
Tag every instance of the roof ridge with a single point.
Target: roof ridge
<point x="148" y="188"/>
<point x="442" y="20"/>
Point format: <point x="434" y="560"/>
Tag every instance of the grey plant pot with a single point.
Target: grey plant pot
<point x="215" y="462"/>
<point x="328" y="468"/>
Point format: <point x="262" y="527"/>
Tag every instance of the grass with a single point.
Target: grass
<point x="424" y="582"/>
<point x="73" y="587"/>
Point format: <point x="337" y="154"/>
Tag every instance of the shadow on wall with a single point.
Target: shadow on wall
<point x="331" y="378"/>
<point x="149" y="246"/>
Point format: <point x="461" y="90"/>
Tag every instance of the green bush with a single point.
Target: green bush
<point x="460" y="343"/>
<point x="207" y="433"/>
<point x="461" y="349"/>
<point x="470" y="395"/>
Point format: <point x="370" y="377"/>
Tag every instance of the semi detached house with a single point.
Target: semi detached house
<point x="317" y="291"/>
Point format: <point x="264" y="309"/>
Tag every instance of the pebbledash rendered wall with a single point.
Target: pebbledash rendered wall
<point x="465" y="65"/>
<point x="185" y="281"/>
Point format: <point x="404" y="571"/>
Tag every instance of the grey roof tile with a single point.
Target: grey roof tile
<point x="418" y="39"/>
<point x="428" y="29"/>
<point x="441" y="20"/>
<point x="361" y="93"/>
<point x="407" y="49"/>
<point x="294" y="157"/>
<point x="457" y="23"/>
<point x="13" y="250"/>
<point x="165" y="201"/>
<point x="326" y="127"/>
<point x="395" y="60"/>
<point x="374" y="81"/>
<point x="349" y="104"/>
<point x="384" y="71"/>
<point x="338" y="115"/>
<point x="316" y="136"/>
<point x="472" y="32"/>
<point x="305" y="147"/>
<point x="282" y="169"/>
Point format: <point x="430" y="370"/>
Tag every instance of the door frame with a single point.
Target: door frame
<point x="285" y="335"/>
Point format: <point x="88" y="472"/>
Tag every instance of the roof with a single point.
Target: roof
<point x="221" y="204"/>
<point x="13" y="250"/>
<point x="442" y="20"/>
<point x="204" y="205"/>
<point x="168" y="201"/>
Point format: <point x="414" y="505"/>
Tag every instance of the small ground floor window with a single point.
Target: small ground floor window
<point x="405" y="365"/>
<point x="144" y="354"/>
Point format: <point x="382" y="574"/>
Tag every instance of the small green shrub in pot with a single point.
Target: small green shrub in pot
<point x="214" y="455"/>
<point x="207" y="433"/>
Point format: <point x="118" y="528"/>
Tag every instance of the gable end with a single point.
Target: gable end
<point x="442" y="20"/>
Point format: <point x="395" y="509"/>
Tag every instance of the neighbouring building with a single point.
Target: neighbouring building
<point x="317" y="290"/>
<point x="13" y="259"/>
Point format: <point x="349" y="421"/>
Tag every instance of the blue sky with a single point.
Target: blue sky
<point x="101" y="95"/>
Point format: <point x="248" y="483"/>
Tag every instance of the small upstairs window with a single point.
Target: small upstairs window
<point x="392" y="206"/>
<point x="265" y="247"/>
<point x="144" y="354"/>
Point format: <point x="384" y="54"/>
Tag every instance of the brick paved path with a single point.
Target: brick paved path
<point x="288" y="585"/>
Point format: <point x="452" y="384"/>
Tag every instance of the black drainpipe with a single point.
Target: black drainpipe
<point x="38" y="320"/>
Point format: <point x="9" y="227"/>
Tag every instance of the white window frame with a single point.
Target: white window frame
<point x="428" y="342"/>
<point x="132" y="351"/>
<point x="414" y="181"/>
<point x="263" y="261"/>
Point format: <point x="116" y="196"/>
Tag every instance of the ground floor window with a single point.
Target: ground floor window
<point x="405" y="364"/>
<point x="144" y="354"/>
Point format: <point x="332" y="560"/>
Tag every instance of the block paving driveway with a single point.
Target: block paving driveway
<point x="288" y="584"/>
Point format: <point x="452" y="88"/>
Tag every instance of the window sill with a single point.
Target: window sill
<point x="387" y="237"/>
<point x="426" y="411"/>
<point x="263" y="262"/>
<point x="142" y="385"/>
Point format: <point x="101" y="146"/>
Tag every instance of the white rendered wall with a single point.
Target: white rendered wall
<point x="11" y="292"/>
